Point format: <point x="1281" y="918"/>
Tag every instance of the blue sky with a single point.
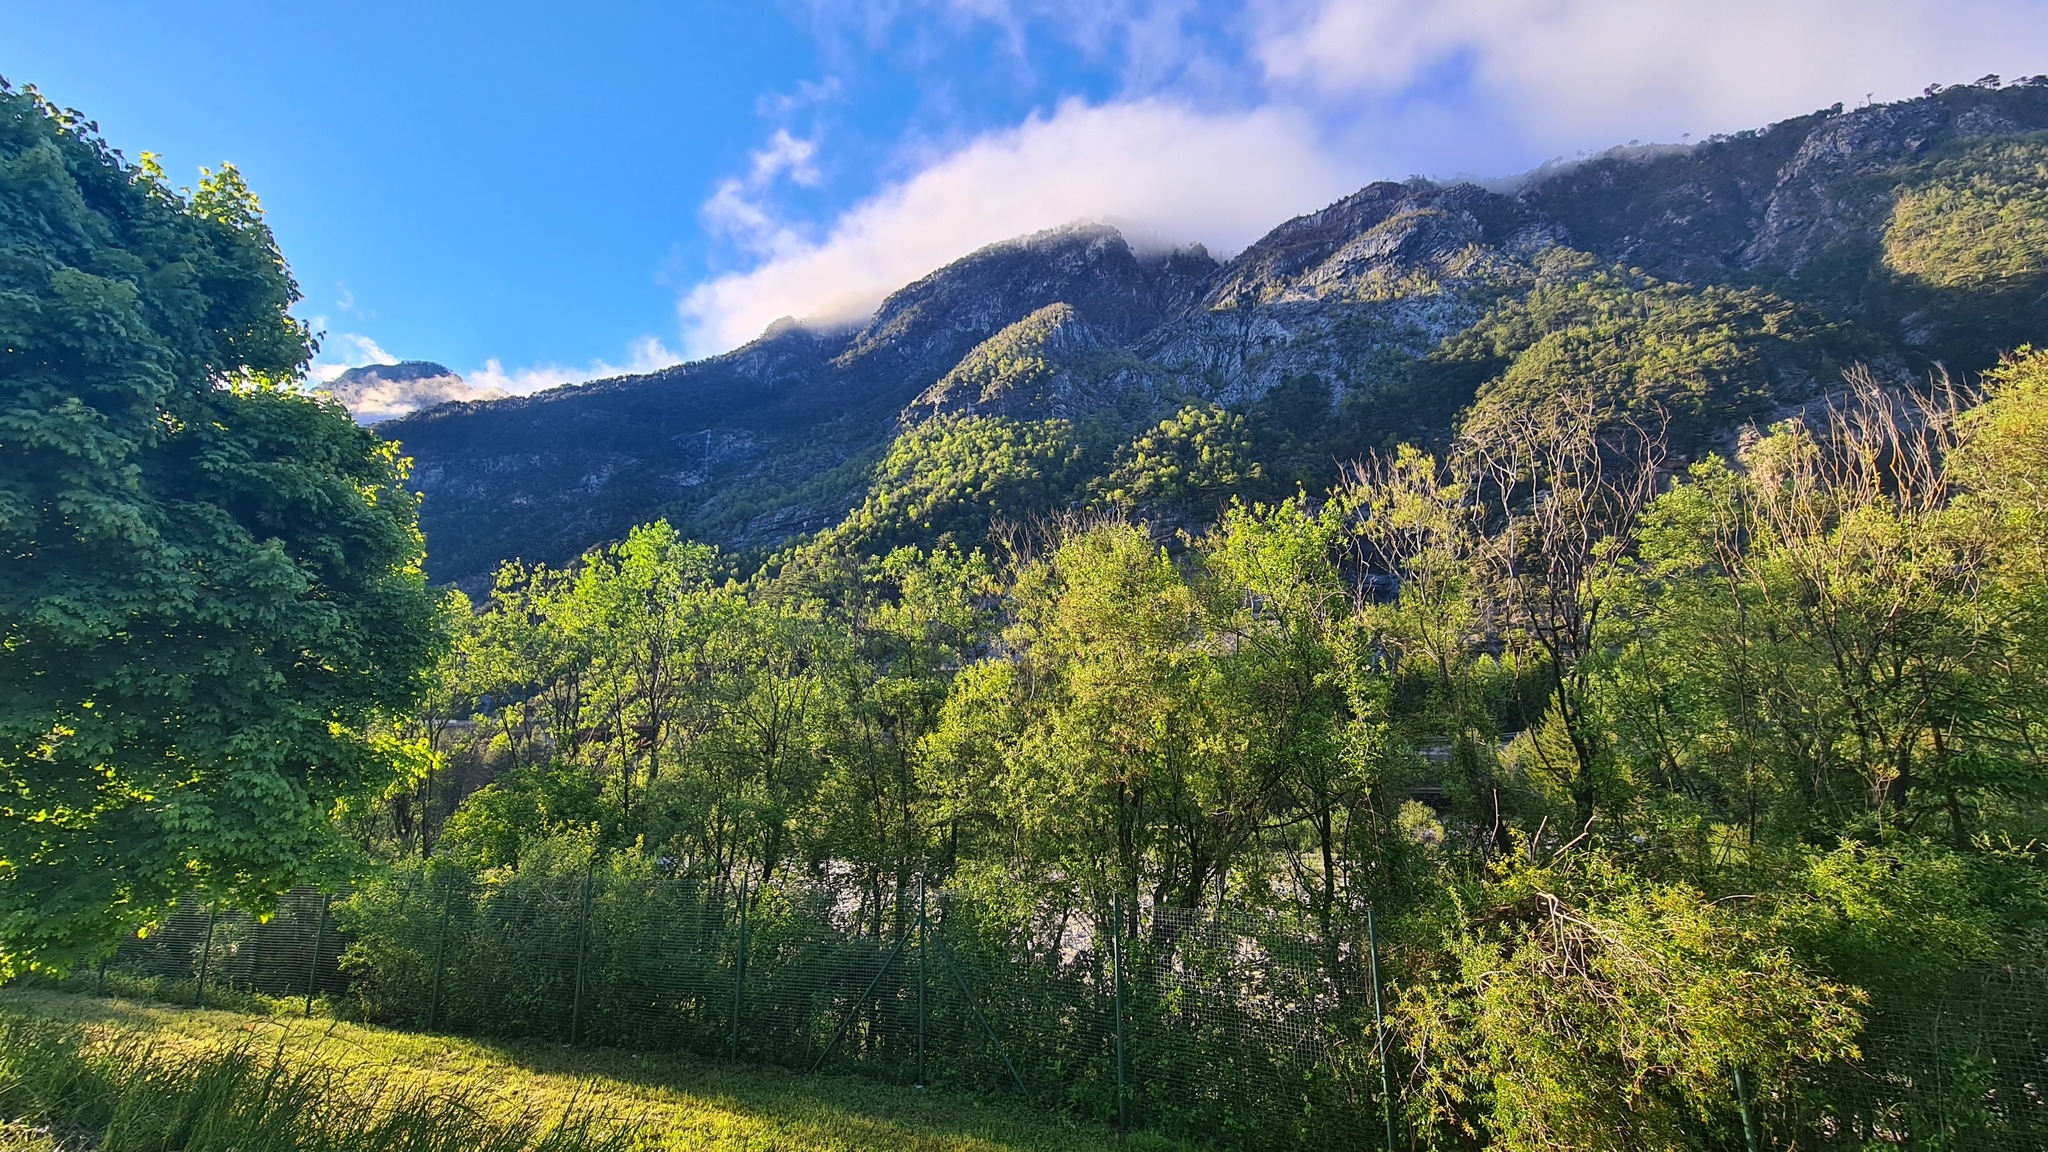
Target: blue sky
<point x="539" y="192"/>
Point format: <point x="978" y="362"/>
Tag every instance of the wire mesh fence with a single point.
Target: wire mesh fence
<point x="294" y="953"/>
<point x="1961" y="1064"/>
<point x="1244" y="1029"/>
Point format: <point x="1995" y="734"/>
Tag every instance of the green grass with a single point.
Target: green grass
<point x="192" y="1080"/>
<point x="64" y="1086"/>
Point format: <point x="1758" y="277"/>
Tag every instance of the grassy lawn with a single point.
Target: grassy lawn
<point x="667" y="1102"/>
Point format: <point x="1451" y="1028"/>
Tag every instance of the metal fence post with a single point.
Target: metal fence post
<point x="582" y="936"/>
<point x="205" y="954"/>
<point x="1116" y="956"/>
<point x="319" y="940"/>
<point x="440" y="955"/>
<point x="255" y="967"/>
<point x="980" y="1017"/>
<point x="739" y="972"/>
<point x="846" y="1021"/>
<point x="1379" y="1024"/>
<point x="1748" y="1117"/>
<point x="923" y="930"/>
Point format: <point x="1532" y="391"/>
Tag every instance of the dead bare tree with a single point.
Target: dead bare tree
<point x="1852" y="516"/>
<point x="1563" y="488"/>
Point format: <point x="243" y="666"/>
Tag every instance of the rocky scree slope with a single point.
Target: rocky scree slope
<point x="1722" y="283"/>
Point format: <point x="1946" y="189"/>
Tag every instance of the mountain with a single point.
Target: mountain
<point x="764" y="442"/>
<point x="379" y="392"/>
<point x="1721" y="283"/>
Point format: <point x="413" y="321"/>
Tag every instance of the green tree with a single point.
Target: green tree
<point x="211" y="583"/>
<point x="639" y="599"/>
<point x="1278" y="609"/>
<point x="1584" y="1008"/>
<point x="1564" y="499"/>
<point x="914" y="620"/>
<point x="1192" y="462"/>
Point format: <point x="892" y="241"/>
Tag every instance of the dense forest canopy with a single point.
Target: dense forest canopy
<point x="1655" y="773"/>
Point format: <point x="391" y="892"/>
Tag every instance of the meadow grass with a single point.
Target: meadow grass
<point x="192" y="1080"/>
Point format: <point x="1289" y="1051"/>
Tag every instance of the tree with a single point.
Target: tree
<point x="1276" y="606"/>
<point x="1565" y="489"/>
<point x="1420" y="528"/>
<point x="1587" y="1007"/>
<point x="638" y="598"/>
<point x="211" y="583"/>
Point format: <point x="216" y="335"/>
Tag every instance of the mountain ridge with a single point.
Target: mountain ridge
<point x="1729" y="277"/>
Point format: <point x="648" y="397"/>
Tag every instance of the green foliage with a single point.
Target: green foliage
<point x="1976" y="220"/>
<point x="949" y="479"/>
<point x="1585" y="1009"/>
<point x="1653" y="786"/>
<point x="1195" y="460"/>
<point x="524" y="806"/>
<point x="211" y="589"/>
<point x="1574" y="741"/>
<point x="1011" y="361"/>
<point x="1827" y="637"/>
<point x="1705" y="358"/>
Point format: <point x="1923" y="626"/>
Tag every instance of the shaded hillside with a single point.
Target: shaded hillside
<point x="764" y="442"/>
<point x="1718" y="283"/>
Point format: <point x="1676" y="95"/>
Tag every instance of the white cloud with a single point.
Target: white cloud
<point x="647" y="354"/>
<point x="376" y="401"/>
<point x="737" y="208"/>
<point x="786" y="153"/>
<point x="1230" y="120"/>
<point x="1165" y="173"/>
<point x="808" y="94"/>
<point x="343" y="351"/>
<point x="371" y="402"/>
<point x="1575" y="73"/>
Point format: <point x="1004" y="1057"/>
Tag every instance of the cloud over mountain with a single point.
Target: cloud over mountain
<point x="378" y="392"/>
<point x="1568" y="71"/>
<point x="1232" y="114"/>
<point x="1164" y="172"/>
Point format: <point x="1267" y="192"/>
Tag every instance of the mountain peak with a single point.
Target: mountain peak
<point x="925" y="327"/>
<point x="377" y="392"/>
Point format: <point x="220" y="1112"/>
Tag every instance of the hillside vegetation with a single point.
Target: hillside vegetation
<point x="1666" y="781"/>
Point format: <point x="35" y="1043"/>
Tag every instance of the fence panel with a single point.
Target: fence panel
<point x="1238" y="1028"/>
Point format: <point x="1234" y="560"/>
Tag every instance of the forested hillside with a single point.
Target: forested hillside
<point x="1667" y="783"/>
<point x="1724" y="283"/>
<point x="1628" y="590"/>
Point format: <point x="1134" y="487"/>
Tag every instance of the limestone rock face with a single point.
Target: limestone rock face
<point x="1360" y="304"/>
